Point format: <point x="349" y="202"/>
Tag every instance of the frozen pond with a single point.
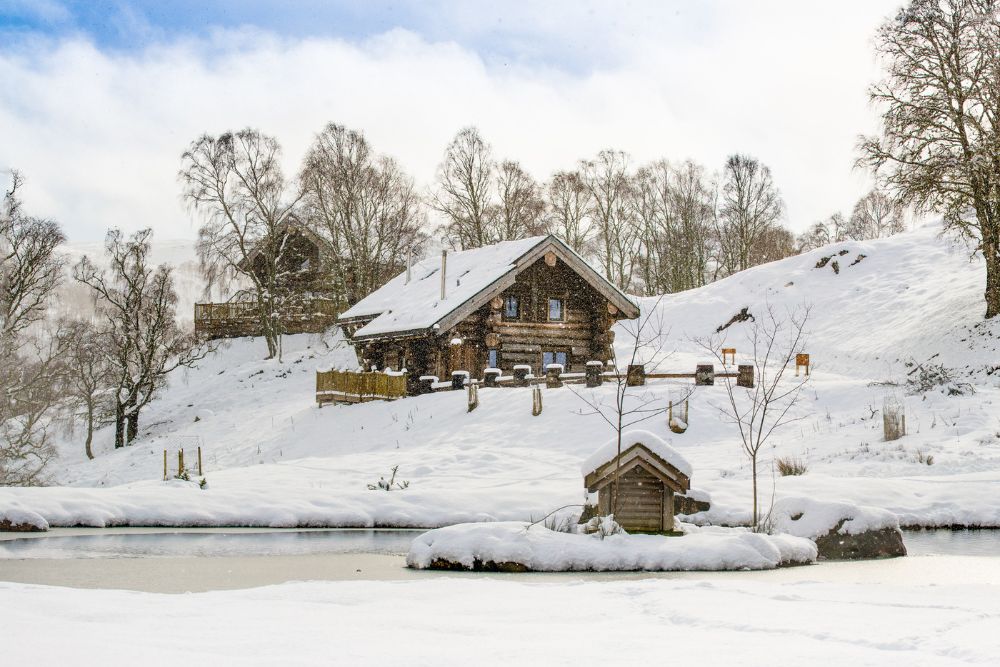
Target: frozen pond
<point x="952" y="542"/>
<point x="174" y="560"/>
<point x="208" y="543"/>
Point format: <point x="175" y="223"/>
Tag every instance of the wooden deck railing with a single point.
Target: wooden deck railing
<point x="241" y="318"/>
<point x="352" y="387"/>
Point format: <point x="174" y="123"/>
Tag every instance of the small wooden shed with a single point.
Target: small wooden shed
<point x="650" y="474"/>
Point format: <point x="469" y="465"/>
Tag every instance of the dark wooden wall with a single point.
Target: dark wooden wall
<point x="645" y="503"/>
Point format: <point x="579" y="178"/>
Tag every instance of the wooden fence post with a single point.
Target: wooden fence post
<point x="200" y="473"/>
<point x="180" y="462"/>
<point x="427" y="383"/>
<point x="636" y="375"/>
<point x="490" y="377"/>
<point x="594" y="373"/>
<point x="164" y="465"/>
<point x="704" y="375"/>
<point x="536" y="401"/>
<point x="552" y="372"/>
<point x="473" y="398"/>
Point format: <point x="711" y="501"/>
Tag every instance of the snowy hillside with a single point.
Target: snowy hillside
<point x="273" y="458"/>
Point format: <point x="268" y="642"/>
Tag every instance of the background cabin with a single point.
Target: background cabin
<point x="645" y="492"/>
<point x="532" y="301"/>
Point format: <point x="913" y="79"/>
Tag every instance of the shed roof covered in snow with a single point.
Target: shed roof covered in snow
<point x="472" y="278"/>
<point x="639" y="448"/>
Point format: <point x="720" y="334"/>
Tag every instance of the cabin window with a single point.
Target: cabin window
<point x="511" y="307"/>
<point x="556" y="312"/>
<point x="555" y="357"/>
<point x="494" y="359"/>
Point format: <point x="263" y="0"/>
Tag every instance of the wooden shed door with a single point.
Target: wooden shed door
<point x="641" y="503"/>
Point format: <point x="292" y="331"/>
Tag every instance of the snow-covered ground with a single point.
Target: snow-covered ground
<point x="766" y="619"/>
<point x="273" y="458"/>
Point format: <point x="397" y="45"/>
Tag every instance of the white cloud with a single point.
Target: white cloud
<point x="99" y="134"/>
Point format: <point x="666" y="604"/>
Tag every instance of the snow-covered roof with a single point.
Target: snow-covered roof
<point x="650" y="441"/>
<point x="471" y="276"/>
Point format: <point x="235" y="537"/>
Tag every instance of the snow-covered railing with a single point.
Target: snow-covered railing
<point x="357" y="387"/>
<point x="242" y="318"/>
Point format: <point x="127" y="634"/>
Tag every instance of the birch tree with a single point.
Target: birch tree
<point x="939" y="100"/>
<point x="612" y="215"/>
<point x="366" y="208"/>
<point x="30" y="271"/>
<point x="750" y="206"/>
<point x="875" y="216"/>
<point x="144" y="344"/>
<point x="236" y="184"/>
<point x="567" y="210"/>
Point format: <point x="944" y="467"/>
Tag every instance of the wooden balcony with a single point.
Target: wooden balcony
<point x="241" y="318"/>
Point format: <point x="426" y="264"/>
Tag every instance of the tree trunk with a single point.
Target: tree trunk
<point x="133" y="427"/>
<point x="119" y="425"/>
<point x="753" y="468"/>
<point x="991" y="253"/>
<point x="90" y="432"/>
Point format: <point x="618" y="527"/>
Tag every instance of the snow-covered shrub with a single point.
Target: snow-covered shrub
<point x="603" y="526"/>
<point x="925" y="377"/>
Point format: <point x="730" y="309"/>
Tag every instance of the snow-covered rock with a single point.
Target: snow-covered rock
<point x="842" y="531"/>
<point x="519" y="546"/>
<point x="19" y="520"/>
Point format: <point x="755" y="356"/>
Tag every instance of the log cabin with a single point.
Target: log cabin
<point x="528" y="302"/>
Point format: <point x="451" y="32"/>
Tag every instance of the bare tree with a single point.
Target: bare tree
<point x="30" y="271"/>
<point x="30" y="268"/>
<point x="750" y="206"/>
<point x="568" y="205"/>
<point x="484" y="202"/>
<point x="138" y="304"/>
<point x="89" y="374"/>
<point x="612" y="215"/>
<point x="675" y="211"/>
<point x="775" y="243"/>
<point x="761" y="411"/>
<point x="875" y="216"/>
<point x="631" y="404"/>
<point x="235" y="181"/>
<point x="520" y="203"/>
<point x="939" y="148"/>
<point x="364" y="206"/>
<point x="465" y="190"/>
<point x="822" y="233"/>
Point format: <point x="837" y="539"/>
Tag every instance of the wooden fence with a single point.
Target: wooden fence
<point x="242" y="318"/>
<point x="357" y="387"/>
<point x="351" y="387"/>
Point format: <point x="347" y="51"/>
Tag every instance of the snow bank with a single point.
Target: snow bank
<point x="653" y="442"/>
<point x="16" y="516"/>
<point x="543" y="550"/>
<point x="805" y="517"/>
